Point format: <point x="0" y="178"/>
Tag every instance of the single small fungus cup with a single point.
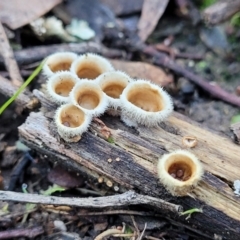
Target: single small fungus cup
<point x="60" y="85"/>
<point x="71" y="122"/>
<point x="60" y="61"/>
<point x="179" y="172"/>
<point x="112" y="84"/>
<point x="90" y="66"/>
<point x="145" y="103"/>
<point x="88" y="96"/>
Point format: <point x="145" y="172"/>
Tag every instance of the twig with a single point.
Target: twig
<point x="18" y="170"/>
<point x="8" y="56"/>
<point x="108" y="232"/>
<point x="173" y="52"/>
<point x="29" y="233"/>
<point x="126" y="199"/>
<point x="161" y="59"/>
<point x="35" y="54"/>
<point x="135" y="225"/>
<point x="117" y="212"/>
<point x="141" y="236"/>
<point x="125" y="235"/>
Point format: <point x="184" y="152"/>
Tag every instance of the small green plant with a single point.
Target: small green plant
<point x="190" y="212"/>
<point x="53" y="189"/>
<point x="206" y="3"/>
<point x="24" y="85"/>
<point x="235" y="20"/>
<point x="31" y="206"/>
<point x="4" y="210"/>
<point x="110" y="140"/>
<point x="235" y="119"/>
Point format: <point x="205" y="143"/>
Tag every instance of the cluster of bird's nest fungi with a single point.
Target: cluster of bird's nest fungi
<point x="87" y="86"/>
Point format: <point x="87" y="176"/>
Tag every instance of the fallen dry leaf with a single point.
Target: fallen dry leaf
<point x="142" y="70"/>
<point x="17" y="13"/>
<point x="64" y="178"/>
<point x="151" y="13"/>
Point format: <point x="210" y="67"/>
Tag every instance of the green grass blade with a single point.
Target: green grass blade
<point x="24" y="85"/>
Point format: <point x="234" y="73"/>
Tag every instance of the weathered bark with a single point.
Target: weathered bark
<point x="24" y="100"/>
<point x="236" y="132"/>
<point x="138" y="151"/>
<point x="123" y="200"/>
<point x="221" y="11"/>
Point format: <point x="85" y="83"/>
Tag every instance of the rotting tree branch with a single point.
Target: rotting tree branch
<point x="163" y="60"/>
<point x="122" y="200"/>
<point x="35" y="54"/>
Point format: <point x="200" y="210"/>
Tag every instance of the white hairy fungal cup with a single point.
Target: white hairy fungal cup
<point x="179" y="172"/>
<point x="112" y="84"/>
<point x="90" y="66"/>
<point x="60" y="85"/>
<point x="71" y="122"/>
<point x="145" y="103"/>
<point x="88" y="96"/>
<point x="56" y="62"/>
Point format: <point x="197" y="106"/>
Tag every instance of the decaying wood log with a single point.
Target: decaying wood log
<point x="221" y="11"/>
<point x="25" y="100"/>
<point x="137" y="152"/>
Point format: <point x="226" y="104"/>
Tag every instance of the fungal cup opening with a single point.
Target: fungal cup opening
<point x="146" y="98"/>
<point x="180" y="167"/>
<point x="64" y="87"/>
<point x="113" y="89"/>
<point x="90" y="66"/>
<point x="72" y="117"/>
<point x="88" y="99"/>
<point x="88" y="70"/>
<point x="60" y="66"/>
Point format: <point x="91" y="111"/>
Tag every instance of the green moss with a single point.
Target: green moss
<point x="110" y="140"/>
<point x="206" y="3"/>
<point x="235" y="20"/>
<point x="235" y="119"/>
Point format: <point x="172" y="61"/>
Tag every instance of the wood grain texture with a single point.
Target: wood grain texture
<point x="139" y="150"/>
<point x="126" y="199"/>
<point x="236" y="132"/>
